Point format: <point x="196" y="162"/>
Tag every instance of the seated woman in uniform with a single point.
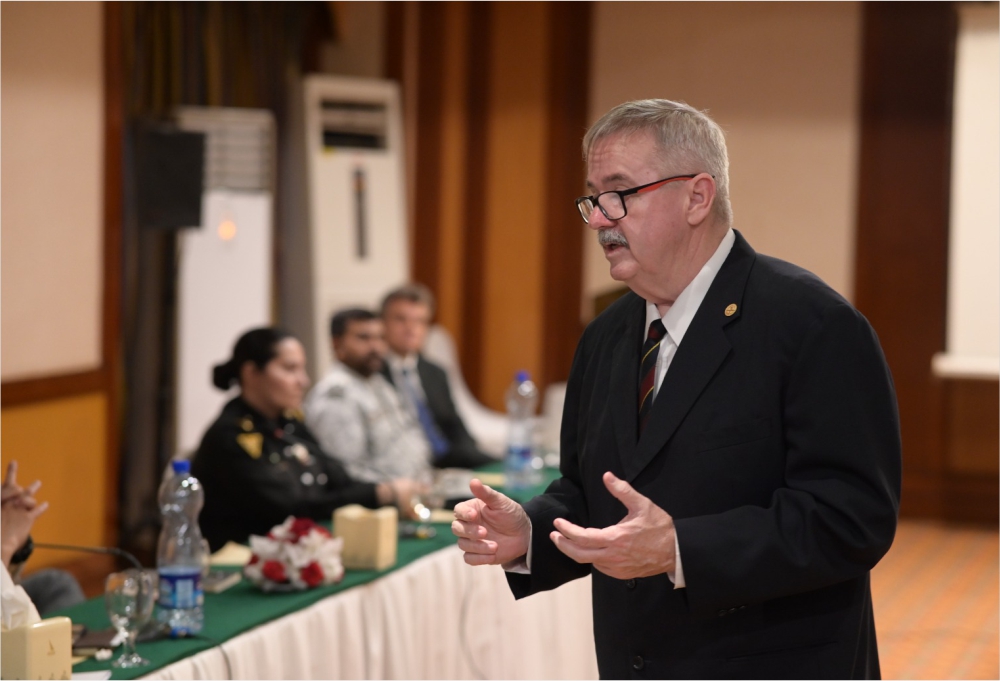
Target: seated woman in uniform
<point x="259" y="463"/>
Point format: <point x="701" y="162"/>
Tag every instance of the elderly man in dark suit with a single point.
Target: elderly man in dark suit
<point x="730" y="439"/>
<point x="407" y="312"/>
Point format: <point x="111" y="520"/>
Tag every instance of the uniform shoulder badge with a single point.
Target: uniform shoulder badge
<point x="335" y="391"/>
<point x="252" y="443"/>
<point x="295" y="415"/>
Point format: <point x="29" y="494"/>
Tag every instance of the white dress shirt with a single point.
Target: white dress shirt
<point x="676" y="321"/>
<point x="405" y="369"/>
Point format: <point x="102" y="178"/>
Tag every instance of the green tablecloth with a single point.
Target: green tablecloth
<point x="243" y="606"/>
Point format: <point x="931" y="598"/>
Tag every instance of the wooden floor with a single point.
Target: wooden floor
<point x="937" y="603"/>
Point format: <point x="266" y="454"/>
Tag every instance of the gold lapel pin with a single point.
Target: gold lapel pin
<point x="730" y="309"/>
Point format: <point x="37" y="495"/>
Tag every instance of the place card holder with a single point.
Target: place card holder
<point x="370" y="536"/>
<point x="37" y="651"/>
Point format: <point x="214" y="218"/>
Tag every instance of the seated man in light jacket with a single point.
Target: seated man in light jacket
<point x="356" y="414"/>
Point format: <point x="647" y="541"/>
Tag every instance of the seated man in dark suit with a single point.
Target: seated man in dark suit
<point x="423" y="385"/>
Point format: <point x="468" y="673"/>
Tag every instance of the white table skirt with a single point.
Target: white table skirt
<point x="437" y="618"/>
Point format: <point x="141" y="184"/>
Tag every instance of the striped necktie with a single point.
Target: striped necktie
<point x="647" y="370"/>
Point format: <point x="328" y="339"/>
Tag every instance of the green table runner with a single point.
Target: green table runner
<point x="243" y="606"/>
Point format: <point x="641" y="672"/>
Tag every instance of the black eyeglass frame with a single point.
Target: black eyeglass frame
<point x="596" y="199"/>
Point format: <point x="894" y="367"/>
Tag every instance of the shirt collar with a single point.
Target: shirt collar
<point x="681" y="313"/>
<point x="398" y="364"/>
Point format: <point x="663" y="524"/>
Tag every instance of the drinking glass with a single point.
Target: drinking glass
<point x="427" y="497"/>
<point x="129" y="597"/>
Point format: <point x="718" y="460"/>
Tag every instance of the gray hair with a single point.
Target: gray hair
<point x="689" y="141"/>
<point x="413" y="293"/>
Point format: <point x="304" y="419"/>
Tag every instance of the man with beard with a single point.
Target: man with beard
<point x="730" y="452"/>
<point x="356" y="414"/>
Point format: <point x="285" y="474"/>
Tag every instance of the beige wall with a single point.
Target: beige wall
<point x="52" y="184"/>
<point x="973" y="339"/>
<point x="782" y="79"/>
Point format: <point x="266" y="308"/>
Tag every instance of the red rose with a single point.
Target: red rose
<point x="300" y="528"/>
<point x="274" y="571"/>
<point x="254" y="559"/>
<point x="312" y="574"/>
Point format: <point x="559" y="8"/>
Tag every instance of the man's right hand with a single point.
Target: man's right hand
<point x="492" y="529"/>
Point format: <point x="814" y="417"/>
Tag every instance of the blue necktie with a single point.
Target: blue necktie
<point x="439" y="445"/>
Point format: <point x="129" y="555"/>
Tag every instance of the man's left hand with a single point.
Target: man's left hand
<point x="641" y="545"/>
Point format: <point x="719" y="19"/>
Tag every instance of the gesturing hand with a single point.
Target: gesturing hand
<point x="492" y="528"/>
<point x="16" y="520"/>
<point x="13" y="492"/>
<point x="641" y="545"/>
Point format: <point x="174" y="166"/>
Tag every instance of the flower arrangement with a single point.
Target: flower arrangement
<point x="298" y="554"/>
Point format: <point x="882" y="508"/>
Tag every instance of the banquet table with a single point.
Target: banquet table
<point x="428" y="616"/>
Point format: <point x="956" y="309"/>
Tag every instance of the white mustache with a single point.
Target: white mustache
<point x="607" y="237"/>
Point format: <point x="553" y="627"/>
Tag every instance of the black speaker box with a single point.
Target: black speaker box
<point x="170" y="171"/>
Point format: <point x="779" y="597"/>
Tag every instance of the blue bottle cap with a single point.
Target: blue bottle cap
<point x="522" y="376"/>
<point x="181" y="466"/>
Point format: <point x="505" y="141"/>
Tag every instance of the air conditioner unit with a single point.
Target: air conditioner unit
<point x="344" y="238"/>
<point x="224" y="279"/>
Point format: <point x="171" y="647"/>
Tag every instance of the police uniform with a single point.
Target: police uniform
<point x="258" y="471"/>
<point x="361" y="422"/>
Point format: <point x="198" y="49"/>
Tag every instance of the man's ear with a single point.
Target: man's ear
<point x="700" y="198"/>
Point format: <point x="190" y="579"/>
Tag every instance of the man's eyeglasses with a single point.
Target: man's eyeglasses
<point x="612" y="203"/>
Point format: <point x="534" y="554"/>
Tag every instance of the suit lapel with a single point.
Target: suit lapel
<point x="625" y="380"/>
<point x="387" y="373"/>
<point x="699" y="356"/>
<point x="433" y="387"/>
<point x="426" y="376"/>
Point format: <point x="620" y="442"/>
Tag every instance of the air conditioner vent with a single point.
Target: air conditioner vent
<point x="239" y="146"/>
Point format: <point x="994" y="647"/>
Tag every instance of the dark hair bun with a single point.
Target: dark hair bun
<point x="257" y="346"/>
<point x="223" y="375"/>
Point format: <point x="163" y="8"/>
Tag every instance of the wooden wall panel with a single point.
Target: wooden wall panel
<point x="63" y="443"/>
<point x="425" y="255"/>
<point x="972" y="427"/>
<point x="114" y="135"/>
<point x="902" y="242"/>
<point x="479" y="46"/>
<point x="454" y="136"/>
<point x="569" y="61"/>
<point x="501" y="91"/>
<point x="515" y="196"/>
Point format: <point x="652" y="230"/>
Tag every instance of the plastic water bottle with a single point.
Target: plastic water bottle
<point x="181" y="553"/>
<point x="519" y="465"/>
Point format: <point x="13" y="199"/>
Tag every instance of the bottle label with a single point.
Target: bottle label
<point x="180" y="588"/>
<point x="519" y="457"/>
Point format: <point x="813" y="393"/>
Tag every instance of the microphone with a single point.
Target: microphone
<point x="105" y="550"/>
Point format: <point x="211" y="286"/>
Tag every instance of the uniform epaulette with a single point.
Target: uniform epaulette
<point x="252" y="443"/>
<point x="295" y="415"/>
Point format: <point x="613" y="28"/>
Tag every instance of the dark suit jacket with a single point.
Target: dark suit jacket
<point x="774" y="444"/>
<point x="463" y="451"/>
